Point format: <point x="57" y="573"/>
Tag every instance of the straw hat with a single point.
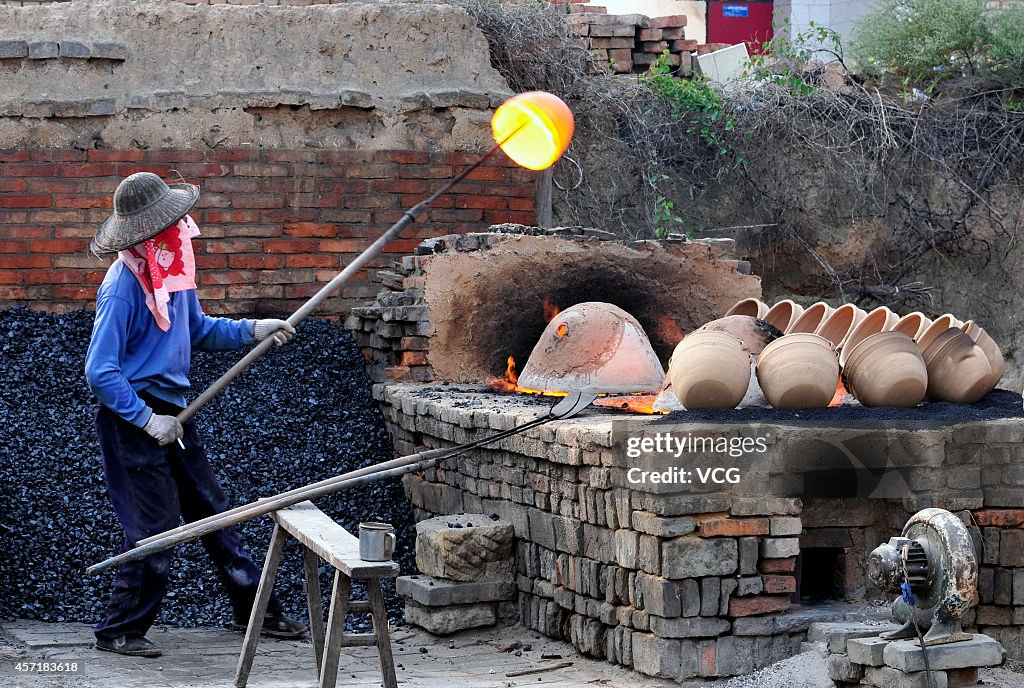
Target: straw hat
<point x="144" y="206"/>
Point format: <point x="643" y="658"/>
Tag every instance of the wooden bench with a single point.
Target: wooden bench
<point x="322" y="538"/>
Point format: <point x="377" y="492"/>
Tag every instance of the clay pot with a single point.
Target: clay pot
<point x="958" y="369"/>
<point x="913" y="324"/>
<point x="750" y="331"/>
<point x="783" y="314"/>
<point x="939" y="325"/>
<point x="879" y="320"/>
<point x="886" y="369"/>
<point x="840" y="324"/>
<point x="755" y="308"/>
<point x="991" y="349"/>
<point x="798" y="371"/>
<point x="811" y="319"/>
<point x="709" y="370"/>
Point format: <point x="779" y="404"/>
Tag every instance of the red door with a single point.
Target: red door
<point x="740" y="22"/>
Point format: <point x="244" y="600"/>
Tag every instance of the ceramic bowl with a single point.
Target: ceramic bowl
<point x="840" y="324"/>
<point x="879" y="320"/>
<point x="783" y="314"/>
<point x="750" y="331"/>
<point x="913" y="324"/>
<point x="710" y="371"/>
<point x="756" y="308"/>
<point x="939" y="325"/>
<point x="958" y="369"/>
<point x="887" y="369"/>
<point x="811" y="319"/>
<point x="798" y="371"/>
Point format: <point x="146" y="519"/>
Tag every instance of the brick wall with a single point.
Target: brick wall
<point x="276" y="224"/>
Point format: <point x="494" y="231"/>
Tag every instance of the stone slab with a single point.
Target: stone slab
<point x="887" y="677"/>
<point x="448" y="620"/>
<point x="437" y="592"/>
<point x="867" y="651"/>
<point x="979" y="651"/>
<point x="465" y="547"/>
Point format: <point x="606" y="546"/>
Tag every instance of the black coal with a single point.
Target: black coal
<point x="302" y="413"/>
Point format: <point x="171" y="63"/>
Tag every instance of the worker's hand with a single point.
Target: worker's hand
<point x="280" y="330"/>
<point x="164" y="429"/>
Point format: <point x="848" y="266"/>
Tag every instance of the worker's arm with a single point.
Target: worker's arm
<point x="216" y="334"/>
<point x="104" y="358"/>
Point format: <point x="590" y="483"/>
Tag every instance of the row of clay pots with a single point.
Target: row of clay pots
<point x="898" y="369"/>
<point x="709" y="370"/>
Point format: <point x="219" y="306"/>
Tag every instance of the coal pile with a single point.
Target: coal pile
<point x="300" y="414"/>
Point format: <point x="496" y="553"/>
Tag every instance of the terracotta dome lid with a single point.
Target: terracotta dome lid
<point x="595" y="346"/>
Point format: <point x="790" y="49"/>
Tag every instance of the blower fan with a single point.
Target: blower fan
<point x="934" y="566"/>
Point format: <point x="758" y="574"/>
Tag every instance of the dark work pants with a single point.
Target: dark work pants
<point x="151" y="488"/>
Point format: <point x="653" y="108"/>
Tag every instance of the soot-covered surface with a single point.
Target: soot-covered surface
<point x="301" y="414"/>
<point x="999" y="404"/>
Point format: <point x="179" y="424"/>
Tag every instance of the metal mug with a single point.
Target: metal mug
<point x="376" y="541"/>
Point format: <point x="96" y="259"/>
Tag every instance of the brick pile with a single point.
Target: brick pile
<point x="630" y="43"/>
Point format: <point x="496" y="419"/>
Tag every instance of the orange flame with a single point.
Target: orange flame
<point x="550" y="309"/>
<point x="635" y="403"/>
<point x="837" y="399"/>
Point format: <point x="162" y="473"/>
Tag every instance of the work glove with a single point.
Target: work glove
<point x="280" y="330"/>
<point x="164" y="429"/>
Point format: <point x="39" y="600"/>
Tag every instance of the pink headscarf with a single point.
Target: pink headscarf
<point x="164" y="264"/>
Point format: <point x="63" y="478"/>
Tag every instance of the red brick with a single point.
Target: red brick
<point x="197" y="173"/>
<point x="527" y="204"/>
<point x="254" y="231"/>
<point x="778" y="565"/>
<point x="26" y="201"/>
<point x="56" y="246"/>
<point x="287" y="215"/>
<point x="497" y="217"/>
<point x="20" y="232"/>
<point x="407" y="157"/>
<point x="311" y="229"/>
<point x="211" y="293"/>
<point x="415" y="186"/>
<point x="285" y="277"/>
<point x="485" y="174"/>
<point x="173" y="155"/>
<point x="215" y="277"/>
<point x="255" y="262"/>
<point x="231" y="184"/>
<point x="54" y="277"/>
<point x="29" y="170"/>
<point x="779" y="584"/>
<point x="213" y="200"/>
<point x="311" y="261"/>
<point x="272" y="155"/>
<point x="683" y="46"/>
<point x="733" y="527"/>
<point x="669" y="21"/>
<point x="56" y="155"/>
<point x="21" y="261"/>
<point x="255" y="291"/>
<point x="759" y="604"/>
<point x="412" y="358"/>
<point x="74" y="293"/>
<point x="374" y="201"/>
<point x="343" y="157"/>
<point x="57" y="186"/>
<point x="13" y="155"/>
<point x="131" y="155"/>
<point x="256" y="201"/>
<point x="234" y="246"/>
<point x="370" y="171"/>
<point x="290" y="246"/>
<point x="212" y="262"/>
<point x="13" y="185"/>
<point x="164" y="170"/>
<point x="222" y="216"/>
<point x="8" y="277"/>
<point x="87" y="262"/>
<point x="84" y="201"/>
<point x="465" y="215"/>
<point x="24" y="293"/>
<point x="1005" y="518"/>
<point x="426" y="171"/>
<point x="492" y="202"/>
<point x="343" y="245"/>
<point x="87" y="169"/>
<point x="246" y="169"/>
<point x="232" y="154"/>
<point x="13" y="246"/>
<point x="301" y="291"/>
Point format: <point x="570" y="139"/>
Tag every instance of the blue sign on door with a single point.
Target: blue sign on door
<point x="735" y="11"/>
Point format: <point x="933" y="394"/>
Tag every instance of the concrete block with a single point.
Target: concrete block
<point x="689" y="595"/>
<point x="751" y="585"/>
<point x="979" y="651"/>
<point x="867" y="651"/>
<point x="785" y="525"/>
<point x="436" y="592"/>
<point x="13" y="50"/>
<point x="887" y="677"/>
<point x="748" y="548"/>
<point x="693" y="557"/>
<point x="660" y="596"/>
<point x="74" y="49"/>
<point x="447" y="620"/>
<point x="43" y="50"/>
<point x="652" y="524"/>
<point x="710" y="593"/>
<point x="656" y="656"/>
<point x="780" y="548"/>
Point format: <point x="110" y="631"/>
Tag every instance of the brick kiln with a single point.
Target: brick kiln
<point x="673" y="579"/>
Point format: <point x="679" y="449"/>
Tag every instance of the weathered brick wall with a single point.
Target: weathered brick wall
<point x="276" y="224"/>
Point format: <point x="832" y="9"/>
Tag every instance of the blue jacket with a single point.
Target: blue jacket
<point x="129" y="353"/>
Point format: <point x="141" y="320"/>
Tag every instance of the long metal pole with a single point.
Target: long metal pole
<point x="331" y="287"/>
<point x="568" y="407"/>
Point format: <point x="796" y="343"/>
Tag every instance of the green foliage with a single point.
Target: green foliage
<point x="665" y="219"/>
<point x="923" y="41"/>
<point x="782" y="59"/>
<point x="694" y="98"/>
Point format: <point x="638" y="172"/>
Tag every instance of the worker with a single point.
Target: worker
<point x="148" y="320"/>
